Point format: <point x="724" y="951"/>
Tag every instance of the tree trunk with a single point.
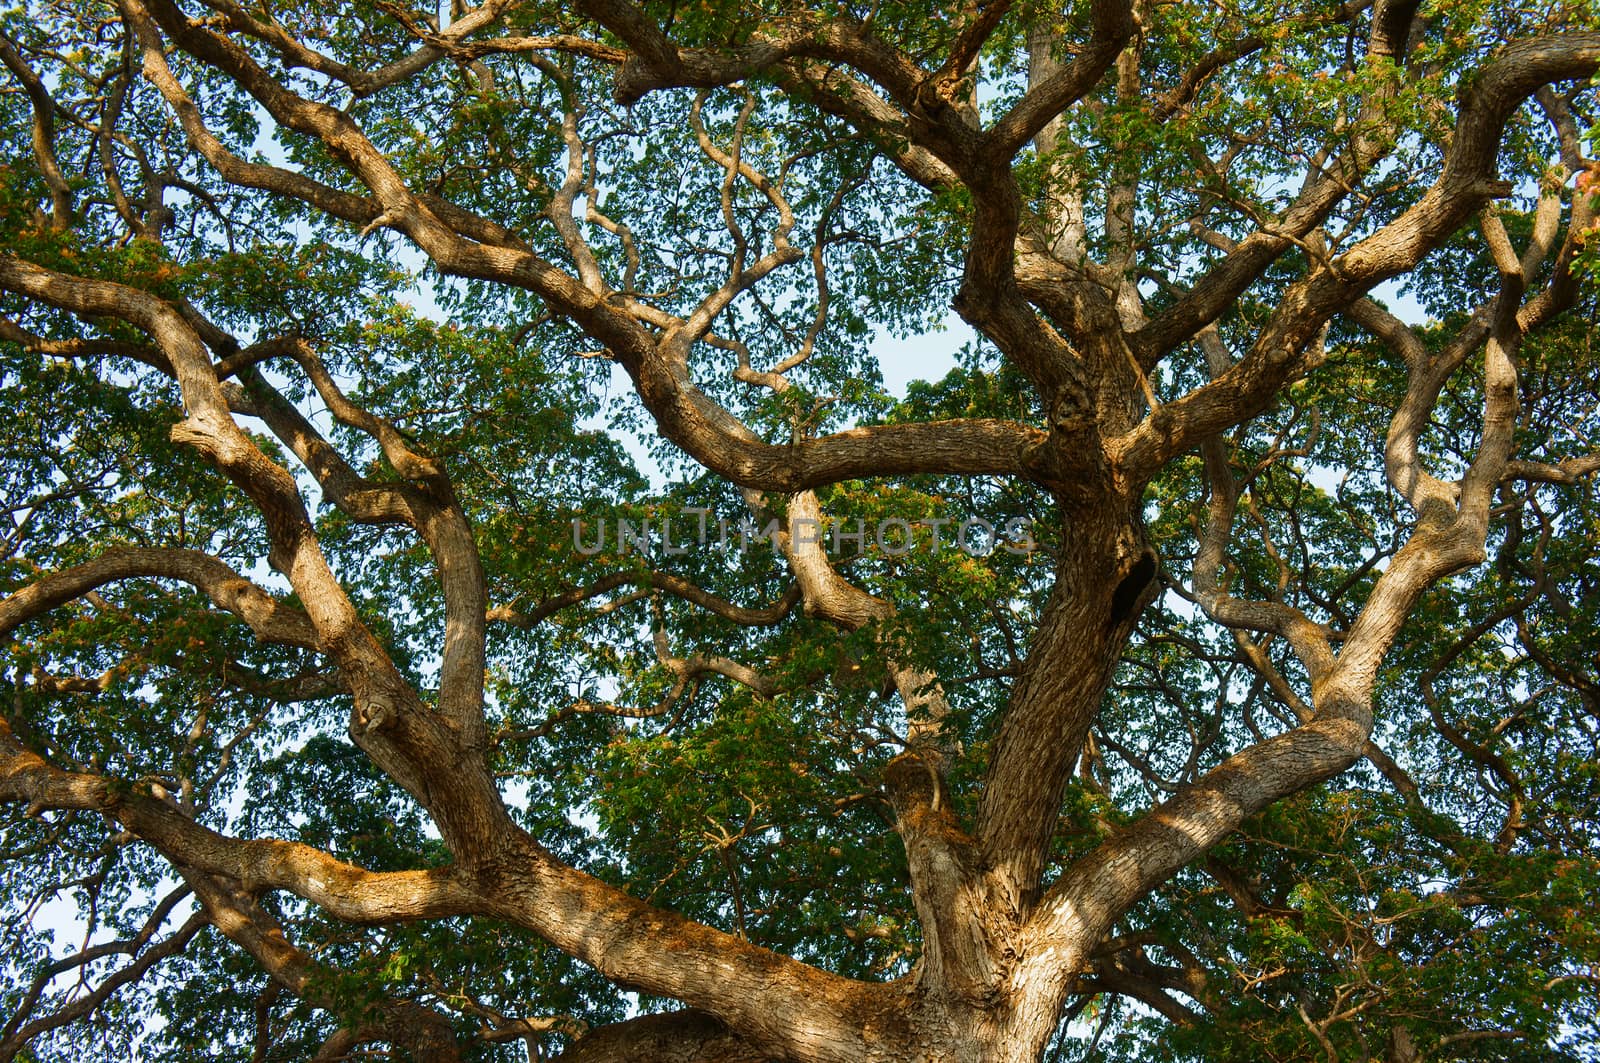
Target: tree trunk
<point x="925" y="1030"/>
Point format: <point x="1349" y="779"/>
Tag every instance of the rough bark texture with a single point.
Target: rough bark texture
<point x="1005" y="946"/>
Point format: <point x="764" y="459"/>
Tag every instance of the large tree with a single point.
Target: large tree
<point x="1264" y="723"/>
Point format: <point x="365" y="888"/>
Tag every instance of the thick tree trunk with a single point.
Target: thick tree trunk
<point x="1105" y="576"/>
<point x="989" y="987"/>
<point x="928" y="1029"/>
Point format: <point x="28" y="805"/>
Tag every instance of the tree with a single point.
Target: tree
<point x="1204" y="667"/>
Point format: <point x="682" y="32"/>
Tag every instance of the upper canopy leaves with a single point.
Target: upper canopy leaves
<point x="319" y="330"/>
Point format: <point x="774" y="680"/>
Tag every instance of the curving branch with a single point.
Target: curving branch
<point x="346" y="891"/>
<point x="233" y="909"/>
<point x="1310" y="640"/>
<point x="44" y="132"/>
<point x="1113" y="25"/>
<point x="271" y="620"/>
<point x="389" y="718"/>
<point x="690" y="1036"/>
<point x="144" y="953"/>
<point x="662" y="581"/>
<point x="454" y="240"/>
<point x="1284" y="347"/>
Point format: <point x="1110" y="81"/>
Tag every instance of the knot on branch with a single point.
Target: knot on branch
<point x="372" y="715"/>
<point x="917" y="793"/>
<point x="914" y="785"/>
<point x="1073" y="410"/>
<point x="634" y="81"/>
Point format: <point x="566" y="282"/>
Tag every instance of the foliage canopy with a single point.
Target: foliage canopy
<point x="1204" y="668"/>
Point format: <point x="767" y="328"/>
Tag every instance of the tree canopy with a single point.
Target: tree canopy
<point x="468" y="594"/>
